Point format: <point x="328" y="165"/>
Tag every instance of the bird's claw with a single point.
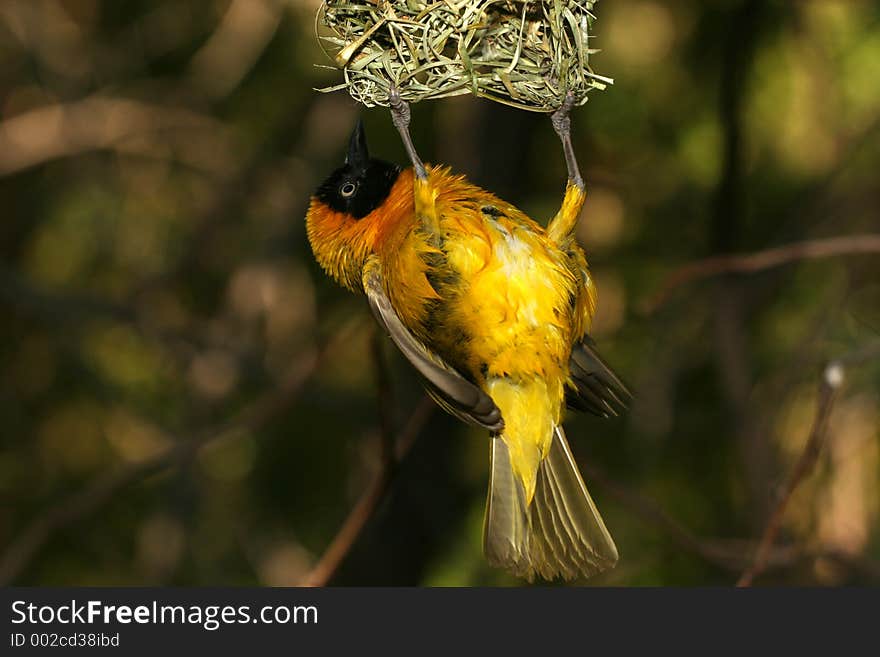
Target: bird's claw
<point x="561" y="118"/>
<point x="400" y="113"/>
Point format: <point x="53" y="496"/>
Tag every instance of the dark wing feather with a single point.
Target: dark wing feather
<point x="450" y="389"/>
<point x="597" y="389"/>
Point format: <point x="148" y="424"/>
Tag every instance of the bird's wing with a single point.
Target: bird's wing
<point x="450" y="389"/>
<point x="595" y="387"/>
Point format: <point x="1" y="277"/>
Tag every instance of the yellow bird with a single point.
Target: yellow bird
<point x="493" y="311"/>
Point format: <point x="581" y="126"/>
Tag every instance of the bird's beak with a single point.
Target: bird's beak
<point x="358" y="156"/>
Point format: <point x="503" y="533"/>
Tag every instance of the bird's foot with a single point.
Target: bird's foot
<point x="400" y="117"/>
<point x="561" y="120"/>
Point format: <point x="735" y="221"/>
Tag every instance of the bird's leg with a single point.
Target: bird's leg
<point x="400" y="117"/>
<point x="561" y="228"/>
<point x="562" y="126"/>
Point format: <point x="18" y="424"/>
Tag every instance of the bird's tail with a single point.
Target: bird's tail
<point x="559" y="533"/>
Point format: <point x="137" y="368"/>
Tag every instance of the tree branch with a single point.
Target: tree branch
<point x="230" y="53"/>
<point x="384" y="398"/>
<point x="101" y="490"/>
<point x="94" y="123"/>
<point x="751" y="263"/>
<point x="654" y="515"/>
<point x="832" y="378"/>
<point x="64" y="307"/>
<point x="367" y="505"/>
<point x="728" y="554"/>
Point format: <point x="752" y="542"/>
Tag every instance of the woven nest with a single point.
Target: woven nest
<point x="525" y="53"/>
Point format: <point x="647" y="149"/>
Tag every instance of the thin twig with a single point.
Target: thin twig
<point x="654" y="515"/>
<point x="65" y="307"/>
<point x="831" y="380"/>
<point x="384" y="398"/>
<point x="230" y="53"/>
<point x="862" y="354"/>
<point x="98" y="122"/>
<point x="290" y="134"/>
<point x="729" y="554"/>
<point x="102" y="489"/>
<point x="367" y="505"/>
<point x="750" y="263"/>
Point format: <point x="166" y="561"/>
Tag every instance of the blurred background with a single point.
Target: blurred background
<point x="186" y="399"/>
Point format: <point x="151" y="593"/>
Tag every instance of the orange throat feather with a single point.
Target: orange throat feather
<point x="342" y="243"/>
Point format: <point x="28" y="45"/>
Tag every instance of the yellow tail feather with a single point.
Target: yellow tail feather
<point x="559" y="533"/>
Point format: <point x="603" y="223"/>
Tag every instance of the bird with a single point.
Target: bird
<point x="493" y="311"/>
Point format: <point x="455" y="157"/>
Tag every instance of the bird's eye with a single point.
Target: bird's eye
<point x="348" y="189"/>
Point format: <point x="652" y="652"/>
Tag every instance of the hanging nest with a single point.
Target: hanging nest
<point x="524" y="53"/>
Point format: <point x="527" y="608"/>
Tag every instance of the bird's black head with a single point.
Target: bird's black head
<point x="362" y="184"/>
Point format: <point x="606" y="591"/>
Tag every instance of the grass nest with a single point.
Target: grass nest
<point x="524" y="53"/>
